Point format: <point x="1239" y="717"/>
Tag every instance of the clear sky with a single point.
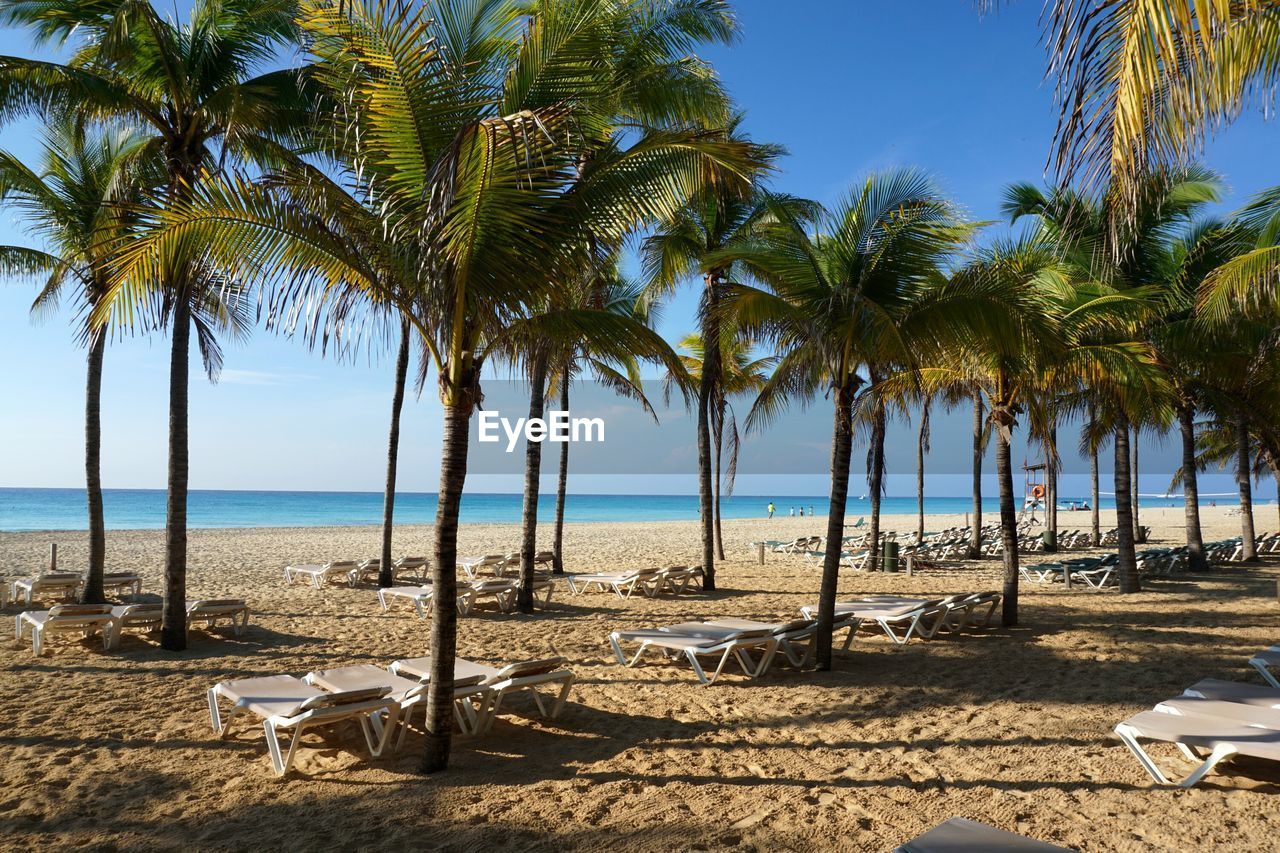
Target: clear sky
<point x="847" y="87"/>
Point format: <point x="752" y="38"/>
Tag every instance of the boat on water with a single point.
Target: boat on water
<point x="1073" y="505"/>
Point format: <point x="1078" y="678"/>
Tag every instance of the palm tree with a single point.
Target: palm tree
<point x="615" y="293"/>
<point x="1125" y="245"/>
<point x="980" y="434"/>
<point x="473" y="136"/>
<point x="739" y="374"/>
<point x="703" y="238"/>
<point x="75" y="203"/>
<point x="837" y="300"/>
<point x="195" y="89"/>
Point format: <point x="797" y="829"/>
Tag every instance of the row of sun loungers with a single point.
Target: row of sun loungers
<point x="651" y="582"/>
<point x="110" y="622"/>
<point x="353" y="573"/>
<point x="67" y="585"/>
<point x="753" y="645"/>
<point x="502" y="593"/>
<point x="380" y="700"/>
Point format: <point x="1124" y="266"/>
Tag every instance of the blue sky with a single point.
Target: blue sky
<point x="848" y="88"/>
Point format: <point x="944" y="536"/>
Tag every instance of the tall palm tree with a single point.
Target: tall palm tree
<point x="617" y="294"/>
<point x="702" y="239"/>
<point x="75" y="203"/>
<point x="196" y="89"/>
<point x="837" y="300"/>
<point x="739" y="374"/>
<point x="1124" y="244"/>
<point x="471" y="126"/>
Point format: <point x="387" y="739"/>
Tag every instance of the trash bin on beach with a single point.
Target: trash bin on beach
<point x="1050" y="540"/>
<point x="889" y="555"/>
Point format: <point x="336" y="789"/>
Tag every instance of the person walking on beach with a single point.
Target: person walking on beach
<point x="771" y="509"/>
<point x="802" y="512"/>
<point x="793" y="512"/>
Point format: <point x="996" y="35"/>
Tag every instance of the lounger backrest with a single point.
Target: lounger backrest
<point x="73" y="610"/>
<point x="118" y="576"/>
<point x="341" y="564"/>
<point x="140" y="611"/>
<point x="218" y="604"/>
<point x="58" y="577"/>
<point x="525" y="669"/>
<point x="345" y="697"/>
<point x="795" y="625"/>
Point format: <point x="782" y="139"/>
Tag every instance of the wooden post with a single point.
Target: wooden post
<point x="910" y="560"/>
<point x="1066" y="575"/>
<point x="53" y="556"/>
<point x="762" y="553"/>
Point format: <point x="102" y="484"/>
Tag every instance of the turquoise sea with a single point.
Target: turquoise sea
<point x="64" y="509"/>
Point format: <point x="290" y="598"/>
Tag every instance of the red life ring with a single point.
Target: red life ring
<point x="1037" y="491"/>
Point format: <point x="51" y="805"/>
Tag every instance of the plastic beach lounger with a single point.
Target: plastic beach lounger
<point x="82" y="619"/>
<point x="319" y="575"/>
<point x="423" y="598"/>
<point x="519" y="677"/>
<point x="695" y="640"/>
<point x="283" y="702"/>
<point x="48" y="585"/>
<point x="210" y="611"/>
<point x="407" y="693"/>
<point x="1199" y="726"/>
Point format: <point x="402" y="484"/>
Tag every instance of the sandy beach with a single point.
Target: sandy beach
<point x="1011" y="727"/>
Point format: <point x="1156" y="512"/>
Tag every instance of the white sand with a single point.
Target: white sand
<point x="1012" y="728"/>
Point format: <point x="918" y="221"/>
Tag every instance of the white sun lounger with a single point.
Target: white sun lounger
<point x="961" y="835"/>
<point x="47" y="585"/>
<point x="795" y="638"/>
<point x="1234" y="691"/>
<point x="82" y="619"/>
<point x="524" y="676"/>
<point x="319" y="575"/>
<point x="623" y="584"/>
<point x="423" y="598"/>
<point x="472" y="566"/>
<point x="285" y="702"/>
<point x="137" y="617"/>
<point x="1264" y="660"/>
<point x="365" y="570"/>
<point x="407" y="693"/>
<point x="122" y="583"/>
<point x="694" y="640"/>
<point x="899" y="619"/>
<point x="1223" y="728"/>
<point x="210" y="611"/>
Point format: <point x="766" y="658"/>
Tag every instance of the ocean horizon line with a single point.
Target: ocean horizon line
<point x="30" y="509"/>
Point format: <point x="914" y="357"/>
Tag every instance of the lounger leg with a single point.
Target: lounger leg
<point x="37" y="640"/>
<point x="562" y="698"/>
<point x="1266" y="673"/>
<point x="697" y="667"/>
<point x="214" y="716"/>
<point x="281" y="764"/>
<point x="617" y="650"/>
<point x="1130" y="736"/>
<point x="892" y="636"/>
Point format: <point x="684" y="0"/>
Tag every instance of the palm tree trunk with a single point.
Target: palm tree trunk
<point x="93" y="592"/>
<point x="1051" y="492"/>
<point x="1128" y="560"/>
<point x="975" y="533"/>
<point x="386" y="574"/>
<point x="1138" y="535"/>
<point x="719" y="476"/>
<point x="1008" y="517"/>
<point x="706" y="389"/>
<point x="922" y="438"/>
<point x="173" y="626"/>
<point x="1191" y="489"/>
<point x="562" y="486"/>
<point x="875" y="485"/>
<point x="1095" y="521"/>
<point x="1249" y="552"/>
<point x="841" y="450"/>
<point x="532" y="473"/>
<point x="444" y="582"/>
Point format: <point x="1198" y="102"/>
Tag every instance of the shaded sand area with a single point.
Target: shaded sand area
<point x="1012" y="727"/>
